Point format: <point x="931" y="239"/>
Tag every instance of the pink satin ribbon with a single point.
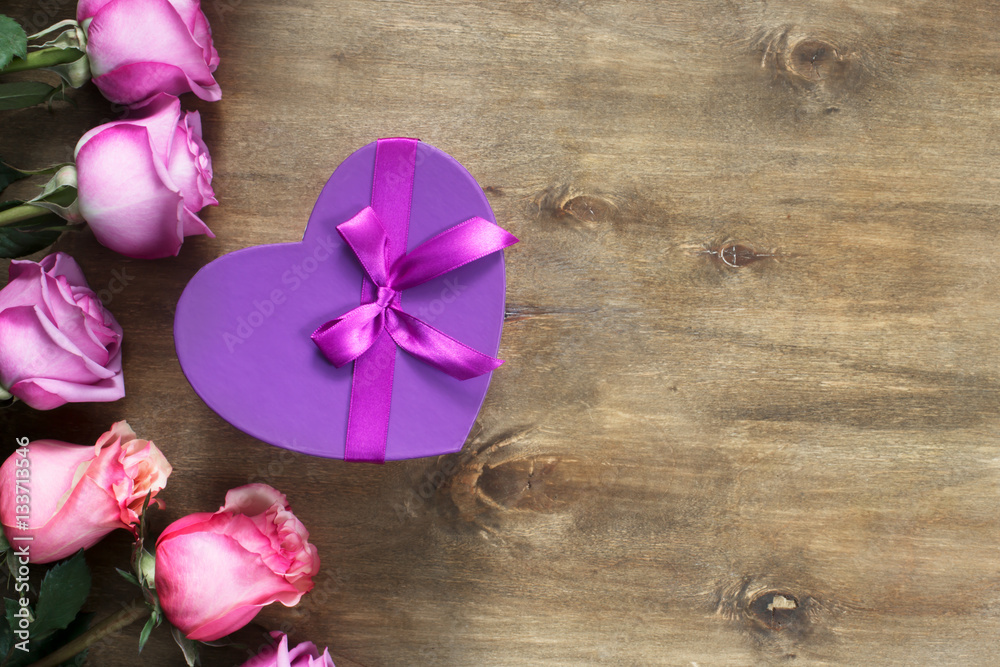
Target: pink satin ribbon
<point x="370" y="333"/>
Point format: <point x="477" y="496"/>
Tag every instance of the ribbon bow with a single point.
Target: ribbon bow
<point x="380" y="324"/>
<point x="349" y="336"/>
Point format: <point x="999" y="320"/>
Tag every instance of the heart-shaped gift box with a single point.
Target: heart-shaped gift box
<point x="244" y="323"/>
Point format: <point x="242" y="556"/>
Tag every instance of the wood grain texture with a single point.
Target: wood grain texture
<point x="749" y="410"/>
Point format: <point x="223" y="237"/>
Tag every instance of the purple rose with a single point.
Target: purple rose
<point x="303" y="655"/>
<point x="138" y="48"/>
<point x="57" y="342"/>
<point x="142" y="180"/>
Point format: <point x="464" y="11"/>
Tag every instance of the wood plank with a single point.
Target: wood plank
<point x="751" y="340"/>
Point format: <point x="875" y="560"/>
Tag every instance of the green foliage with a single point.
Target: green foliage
<point x="79" y="626"/>
<point x="188" y="646"/>
<point x="13" y="41"/>
<point x="23" y="94"/>
<point x="128" y="576"/>
<point x="31" y="235"/>
<point x="9" y="174"/>
<point x="64" y="590"/>
<point x="54" y="619"/>
<point x="154" y="620"/>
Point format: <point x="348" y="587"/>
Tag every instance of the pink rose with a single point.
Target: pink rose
<point x="304" y="655"/>
<point x="214" y="572"/>
<point x="77" y="494"/>
<point x="57" y="342"/>
<point x="142" y="180"/>
<point x="138" y="48"/>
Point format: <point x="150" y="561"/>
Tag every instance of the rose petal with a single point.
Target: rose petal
<point x="61" y="264"/>
<point x="124" y="197"/>
<point x="128" y="84"/>
<point x="89" y="514"/>
<point x="25" y="285"/>
<point x="253" y="499"/>
<point x="75" y="324"/>
<point x="209" y="585"/>
<point x="185" y="170"/>
<point x="127" y="32"/>
<point x="46" y="393"/>
<point x="31" y="347"/>
<point x="50" y="460"/>
<point x="159" y="115"/>
<point x="192" y="225"/>
<point x="68" y="511"/>
<point x="86" y="9"/>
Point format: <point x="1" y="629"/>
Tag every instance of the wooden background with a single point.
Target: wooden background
<point x="752" y="353"/>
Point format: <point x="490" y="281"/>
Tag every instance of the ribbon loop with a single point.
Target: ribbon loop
<point x="366" y="236"/>
<point x="352" y="335"/>
<point x="348" y="337"/>
<point x="452" y="248"/>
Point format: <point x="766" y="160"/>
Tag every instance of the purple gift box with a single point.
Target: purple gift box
<point x="371" y="339"/>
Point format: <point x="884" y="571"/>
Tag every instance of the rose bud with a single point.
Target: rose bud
<point x="142" y="180"/>
<point x="78" y="494"/>
<point x="214" y="572"/>
<point x="304" y="655"/>
<point x="57" y="342"/>
<point x="138" y="48"/>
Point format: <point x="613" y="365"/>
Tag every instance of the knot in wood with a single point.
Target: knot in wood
<point x="776" y="610"/>
<point x="815" y="60"/>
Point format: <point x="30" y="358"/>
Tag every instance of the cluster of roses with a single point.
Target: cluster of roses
<point x="141" y="182"/>
<point x="213" y="571"/>
<point x="143" y="179"/>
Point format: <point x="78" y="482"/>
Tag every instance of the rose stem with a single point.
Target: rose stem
<point x="21" y="213"/>
<point x="45" y="58"/>
<point x="112" y="624"/>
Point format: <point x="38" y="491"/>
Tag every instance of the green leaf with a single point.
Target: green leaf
<point x="27" y="236"/>
<point x="9" y="174"/>
<point x="24" y="94"/>
<point x="60" y="196"/>
<point x="6" y="636"/>
<point x="13" y="41"/>
<point x="39" y="649"/>
<point x="147" y="569"/>
<point x="11" y="607"/>
<point x="10" y="561"/>
<point x="64" y="590"/>
<point x="188" y="646"/>
<point x="15" y="243"/>
<point x="154" y="621"/>
<point x="4" y="544"/>
<point x="79" y="626"/>
<point x="142" y="515"/>
<point x="128" y="576"/>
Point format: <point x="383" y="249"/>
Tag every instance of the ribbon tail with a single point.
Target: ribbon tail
<point x="436" y="347"/>
<point x="371" y="402"/>
<point x="457" y="246"/>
